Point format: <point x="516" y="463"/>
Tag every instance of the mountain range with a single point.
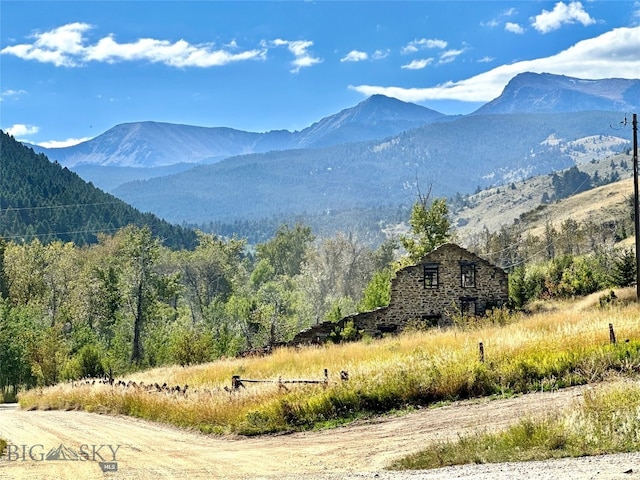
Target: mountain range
<point x="155" y="144"/>
<point x="378" y="153"/>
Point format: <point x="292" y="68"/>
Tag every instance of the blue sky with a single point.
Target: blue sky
<point x="71" y="70"/>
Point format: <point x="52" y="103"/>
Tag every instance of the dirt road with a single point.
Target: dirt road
<point x="144" y="450"/>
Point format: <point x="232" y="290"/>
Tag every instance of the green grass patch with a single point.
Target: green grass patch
<point x="607" y="420"/>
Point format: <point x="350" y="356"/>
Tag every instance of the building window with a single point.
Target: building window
<point x="467" y="274"/>
<point x="468" y="306"/>
<point x="431" y="274"/>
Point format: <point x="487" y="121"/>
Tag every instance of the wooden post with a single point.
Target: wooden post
<point x="481" y="347"/>
<point x="612" y="334"/>
<point x="326" y="375"/>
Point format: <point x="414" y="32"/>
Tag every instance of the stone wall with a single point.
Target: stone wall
<point x="412" y="299"/>
<point x="434" y="300"/>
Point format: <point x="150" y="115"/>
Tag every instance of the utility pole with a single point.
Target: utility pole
<point x="634" y="125"/>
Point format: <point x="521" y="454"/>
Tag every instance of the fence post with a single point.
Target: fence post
<point x="236" y="383"/>
<point x="612" y="334"/>
<point x="481" y="348"/>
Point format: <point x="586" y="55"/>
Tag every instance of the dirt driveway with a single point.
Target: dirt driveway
<point x="144" y="450"/>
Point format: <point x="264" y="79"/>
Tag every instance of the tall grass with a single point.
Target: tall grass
<point x="607" y="420"/>
<point x="544" y="351"/>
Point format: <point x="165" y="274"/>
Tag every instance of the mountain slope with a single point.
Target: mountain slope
<point x="545" y="93"/>
<point x="491" y="209"/>
<point x="40" y="199"/>
<point x="456" y="156"/>
<point x="155" y="144"/>
<point x="374" y="118"/>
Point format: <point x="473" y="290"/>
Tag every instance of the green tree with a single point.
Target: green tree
<point x="378" y="291"/>
<point x="139" y="252"/>
<point x="624" y="268"/>
<point x="430" y="227"/>
<point x="286" y="251"/>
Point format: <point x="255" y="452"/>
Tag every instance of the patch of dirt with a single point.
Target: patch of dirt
<point x="151" y="450"/>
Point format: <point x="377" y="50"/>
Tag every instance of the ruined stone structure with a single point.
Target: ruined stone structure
<point x="447" y="282"/>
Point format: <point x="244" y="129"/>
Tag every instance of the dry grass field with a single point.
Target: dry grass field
<point x="561" y="345"/>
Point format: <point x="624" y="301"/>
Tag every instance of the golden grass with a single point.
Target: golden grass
<point x="606" y="420"/>
<point x="565" y="346"/>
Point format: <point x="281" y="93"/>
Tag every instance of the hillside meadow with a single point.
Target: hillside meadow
<point x="564" y="344"/>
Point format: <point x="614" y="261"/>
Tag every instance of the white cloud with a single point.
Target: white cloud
<point x="450" y="55"/>
<point x="513" y="28"/>
<point x="67" y="46"/>
<point x="63" y="143"/>
<point x="486" y="59"/>
<point x="422" y="43"/>
<point x="417" y="64"/>
<point x="610" y="55"/>
<point x="494" y="22"/>
<point x="380" y="54"/>
<point x="299" y="48"/>
<point x="561" y="14"/>
<point x="21" y="130"/>
<point x="9" y="93"/>
<point x="354" y="56"/>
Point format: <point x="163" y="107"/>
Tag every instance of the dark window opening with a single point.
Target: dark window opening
<point x="467" y="275"/>
<point x="468" y="306"/>
<point x="432" y="319"/>
<point x="431" y="275"/>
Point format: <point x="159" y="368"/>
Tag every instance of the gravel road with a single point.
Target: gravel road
<point x="144" y="450"/>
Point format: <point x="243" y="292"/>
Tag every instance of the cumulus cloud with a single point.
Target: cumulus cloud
<point x="612" y="54"/>
<point x="514" y="28"/>
<point x="561" y="14"/>
<point x="67" y="46"/>
<point x="355" y="56"/>
<point x="20" y="130"/>
<point x="299" y="49"/>
<point x="63" y="143"/>
<point x="418" y="64"/>
<point x="422" y="43"/>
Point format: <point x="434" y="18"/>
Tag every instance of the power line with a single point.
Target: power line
<point x="6" y="209"/>
<point x="55" y="234"/>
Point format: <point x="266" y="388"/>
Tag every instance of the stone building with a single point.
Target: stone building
<point x="448" y="282"/>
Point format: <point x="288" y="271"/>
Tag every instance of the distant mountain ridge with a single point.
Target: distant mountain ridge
<point x="547" y="93"/>
<point x="455" y="156"/>
<point x="156" y="144"/>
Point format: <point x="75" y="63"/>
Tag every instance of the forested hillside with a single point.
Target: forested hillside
<point x="457" y="156"/>
<point x="40" y="199"/>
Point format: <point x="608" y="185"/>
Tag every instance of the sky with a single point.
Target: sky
<point x="69" y="70"/>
